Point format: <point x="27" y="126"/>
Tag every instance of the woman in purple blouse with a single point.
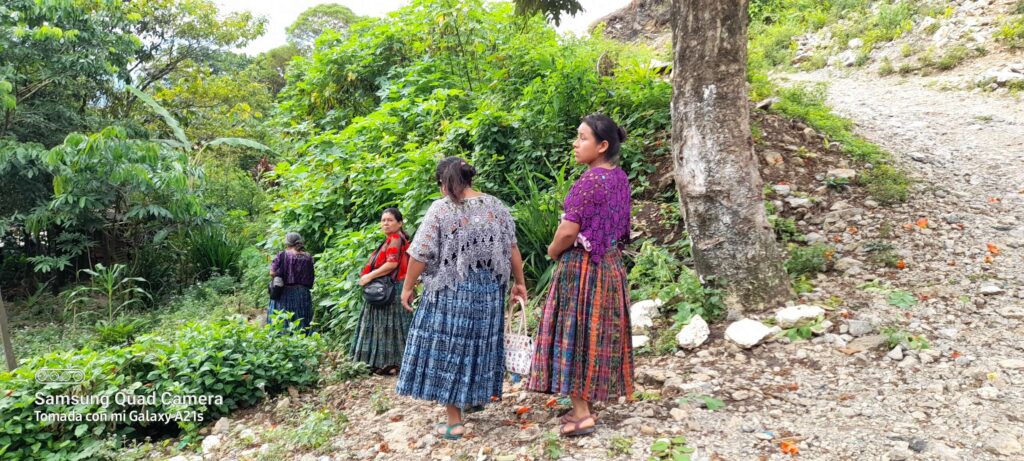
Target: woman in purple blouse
<point x="583" y="345"/>
<point x="295" y="266"/>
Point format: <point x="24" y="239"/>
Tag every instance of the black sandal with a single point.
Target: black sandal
<point x="576" y="429"/>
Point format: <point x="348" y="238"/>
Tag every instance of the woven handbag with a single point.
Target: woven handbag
<point x="518" y="344"/>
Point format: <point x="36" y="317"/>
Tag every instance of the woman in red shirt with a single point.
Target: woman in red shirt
<point x="380" y="337"/>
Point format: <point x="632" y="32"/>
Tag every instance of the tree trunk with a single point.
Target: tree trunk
<point x="716" y="171"/>
<point x="5" y="337"/>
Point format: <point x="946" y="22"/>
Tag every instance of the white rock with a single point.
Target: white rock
<point x="247" y="434"/>
<point x="781" y="189"/>
<point x="211" y="443"/>
<point x="991" y="290"/>
<point x="855" y="43"/>
<point x="797" y="202"/>
<point x="693" y="334"/>
<point x="896" y="353"/>
<point x="948" y="333"/>
<point x="846" y="264"/>
<point x="1002" y="444"/>
<point x="640" y="341"/>
<point x="859" y="328"/>
<point x="178" y="458"/>
<point x="678" y="414"/>
<point x="223" y="426"/>
<point x="796" y="315"/>
<point x="642" y="314"/>
<point x="842" y="173"/>
<point x="988" y="393"/>
<point x="747" y="332"/>
<point x="1012" y="364"/>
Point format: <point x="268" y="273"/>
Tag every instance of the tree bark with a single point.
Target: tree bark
<point x="716" y="172"/>
<point x="5" y="336"/>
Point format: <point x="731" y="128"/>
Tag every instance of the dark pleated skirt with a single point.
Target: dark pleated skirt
<point x="296" y="300"/>
<point x="455" y="354"/>
<point x="584" y="343"/>
<point x="380" y="336"/>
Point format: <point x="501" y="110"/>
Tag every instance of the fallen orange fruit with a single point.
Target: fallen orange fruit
<point x="988" y="259"/>
<point x="922" y="223"/>
<point x="955" y="355"/>
<point x="992" y="248"/>
<point x="789" y="448"/>
<point x="901" y="264"/>
<point x="552" y="403"/>
<point x="522" y="410"/>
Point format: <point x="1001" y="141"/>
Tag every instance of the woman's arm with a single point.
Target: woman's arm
<point x="383" y="270"/>
<point x="412" y="277"/>
<point x="519" y="289"/>
<point x="564" y="238"/>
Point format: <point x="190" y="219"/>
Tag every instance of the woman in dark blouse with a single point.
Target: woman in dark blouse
<point x="295" y="266"/>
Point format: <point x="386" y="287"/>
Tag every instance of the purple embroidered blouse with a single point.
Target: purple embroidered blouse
<point x="294" y="268"/>
<point x="600" y="203"/>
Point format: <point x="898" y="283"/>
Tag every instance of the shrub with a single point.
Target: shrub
<point x="886" y="184"/>
<point x="235" y="360"/>
<point x="212" y="251"/>
<point x="1012" y="32"/>
<point x="808" y="260"/>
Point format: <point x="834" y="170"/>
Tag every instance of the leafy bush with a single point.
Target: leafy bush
<point x="537" y="213"/>
<point x="808" y="260"/>
<point x="212" y="251"/>
<point x="1012" y="32"/>
<point x="238" y="361"/>
<point x="375" y="110"/>
<point x="117" y="332"/>
<point x="886" y="184"/>
<point x="656" y="273"/>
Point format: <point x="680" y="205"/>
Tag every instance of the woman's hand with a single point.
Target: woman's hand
<point x="364" y="280"/>
<point x="519" y="292"/>
<point x="407" y="295"/>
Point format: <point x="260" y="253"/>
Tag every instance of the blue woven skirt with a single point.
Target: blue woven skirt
<point x="455" y="352"/>
<point x="296" y="300"/>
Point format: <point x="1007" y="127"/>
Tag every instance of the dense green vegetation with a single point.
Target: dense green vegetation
<point x="145" y="187"/>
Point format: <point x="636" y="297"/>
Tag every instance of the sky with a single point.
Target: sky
<point x="281" y="13"/>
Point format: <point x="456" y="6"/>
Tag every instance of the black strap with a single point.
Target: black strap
<point x="373" y="259"/>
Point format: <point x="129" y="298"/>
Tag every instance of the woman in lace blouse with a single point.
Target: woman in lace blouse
<point x="583" y="344"/>
<point x="380" y="337"/>
<point x="465" y="250"/>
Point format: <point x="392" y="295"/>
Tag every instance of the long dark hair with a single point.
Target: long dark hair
<point x="456" y="175"/>
<point x="398" y="217"/>
<point x="605" y="129"/>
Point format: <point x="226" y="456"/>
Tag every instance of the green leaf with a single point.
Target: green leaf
<point x="179" y="133"/>
<point x="240" y="142"/>
<point x="902" y="299"/>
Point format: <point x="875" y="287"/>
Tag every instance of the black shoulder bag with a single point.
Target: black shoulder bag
<point x="276" y="288"/>
<point x="380" y="292"/>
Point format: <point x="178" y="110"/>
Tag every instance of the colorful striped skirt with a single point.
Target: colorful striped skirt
<point x="380" y="336"/>
<point x="584" y="342"/>
<point x="296" y="300"/>
<point x="455" y="353"/>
